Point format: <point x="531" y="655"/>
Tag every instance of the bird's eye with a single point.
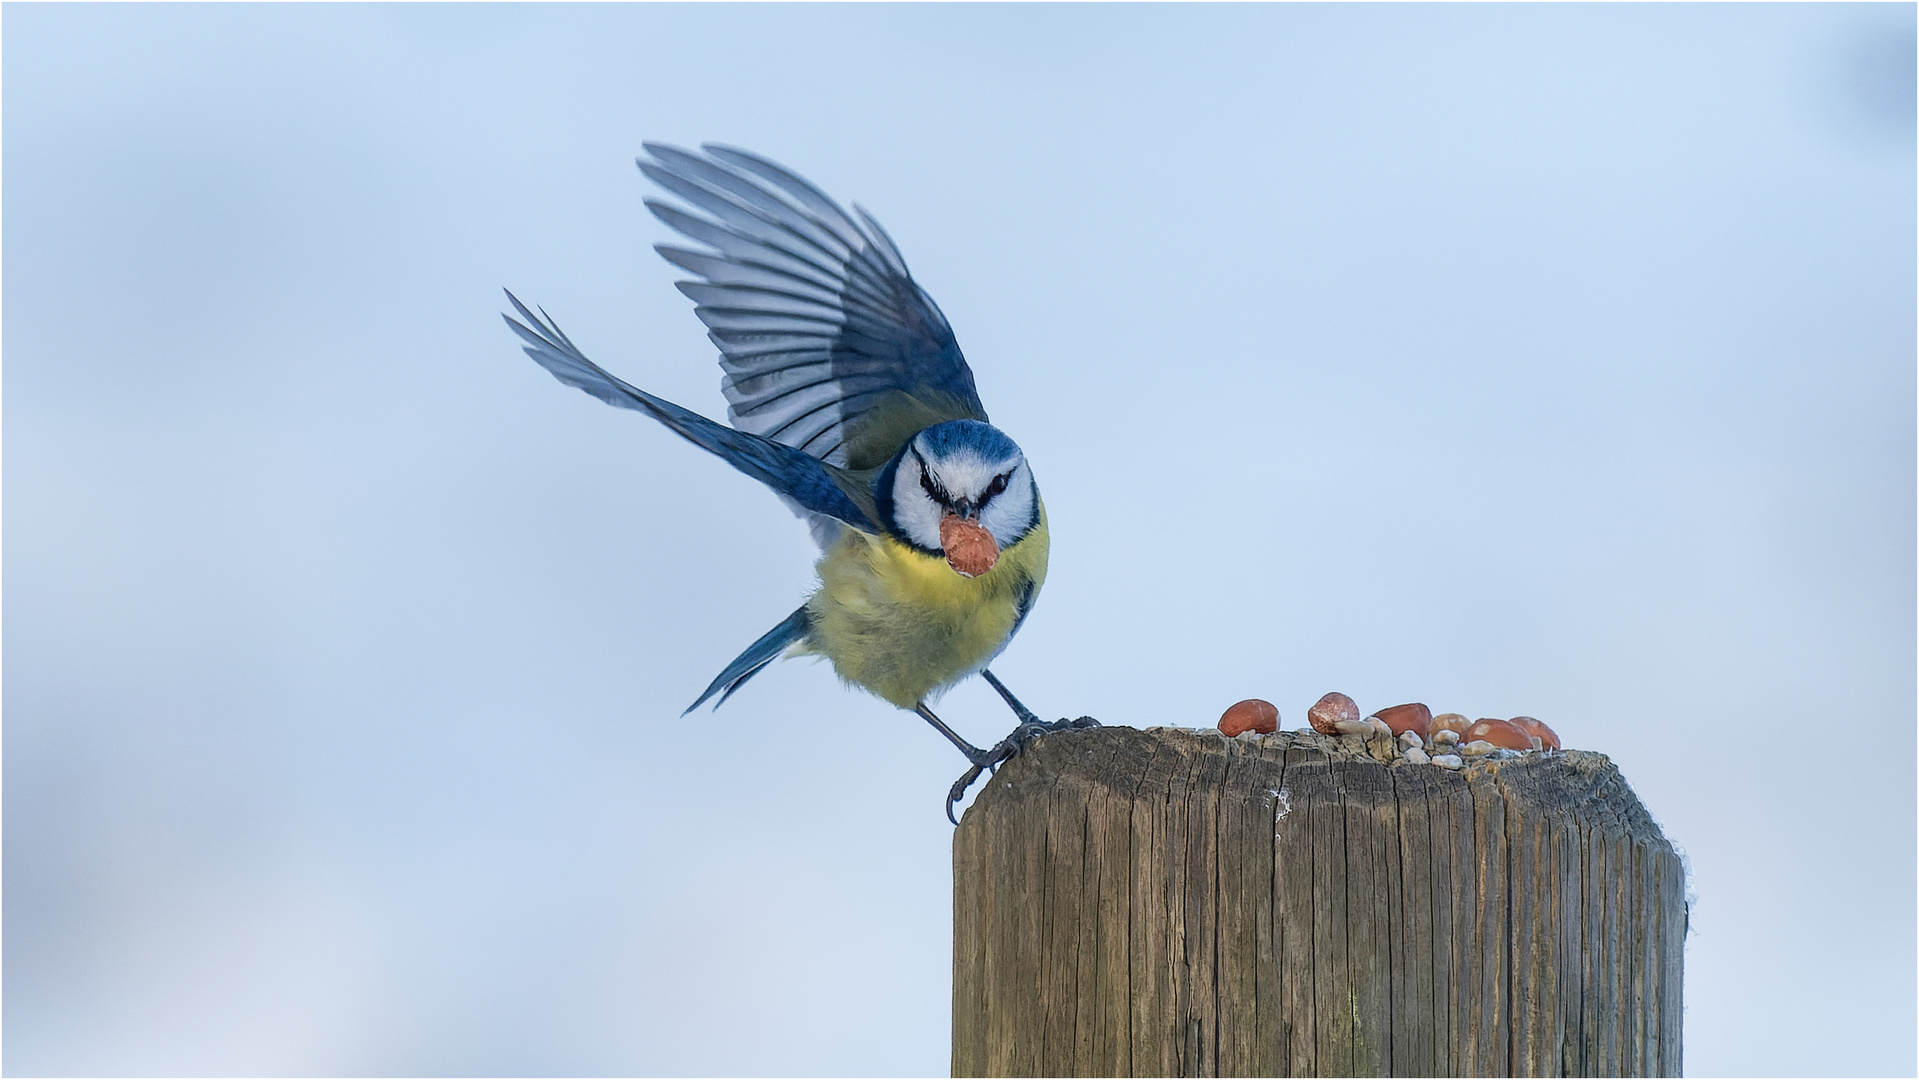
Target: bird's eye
<point x="998" y="485"/>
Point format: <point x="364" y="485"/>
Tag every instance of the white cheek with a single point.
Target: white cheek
<point x="1010" y="513"/>
<point x="916" y="514"/>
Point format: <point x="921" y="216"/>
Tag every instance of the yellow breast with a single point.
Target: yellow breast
<point x="905" y="625"/>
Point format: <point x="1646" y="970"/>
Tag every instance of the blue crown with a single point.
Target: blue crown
<point x="989" y="442"/>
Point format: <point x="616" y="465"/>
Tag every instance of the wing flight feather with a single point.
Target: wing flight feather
<point x="818" y="322"/>
<point x="806" y="481"/>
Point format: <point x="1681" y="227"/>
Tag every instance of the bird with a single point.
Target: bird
<point x="848" y="396"/>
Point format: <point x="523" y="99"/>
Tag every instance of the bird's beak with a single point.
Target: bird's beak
<point x="970" y="549"/>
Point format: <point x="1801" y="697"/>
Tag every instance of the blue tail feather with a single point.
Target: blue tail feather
<point x="757" y="655"/>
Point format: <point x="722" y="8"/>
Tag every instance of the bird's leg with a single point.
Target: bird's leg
<point x="1030" y="727"/>
<point x="973" y="753"/>
<point x="981" y="760"/>
<point x="1025" y="714"/>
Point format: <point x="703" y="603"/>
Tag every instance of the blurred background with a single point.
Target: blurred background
<point x="1553" y="360"/>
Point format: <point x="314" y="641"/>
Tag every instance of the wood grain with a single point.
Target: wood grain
<point x="1172" y="902"/>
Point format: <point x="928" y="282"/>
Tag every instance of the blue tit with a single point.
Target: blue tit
<point x="848" y="397"/>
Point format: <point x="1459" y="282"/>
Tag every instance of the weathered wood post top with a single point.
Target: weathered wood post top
<point x="1171" y="902"/>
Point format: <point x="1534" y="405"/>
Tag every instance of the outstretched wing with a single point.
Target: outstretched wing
<point x="803" y="479"/>
<point x="827" y="343"/>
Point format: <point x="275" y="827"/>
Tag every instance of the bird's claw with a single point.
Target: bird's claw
<point x="958" y="791"/>
<point x="1006" y="749"/>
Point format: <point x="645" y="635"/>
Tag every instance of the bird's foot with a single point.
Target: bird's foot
<point x="1005" y="750"/>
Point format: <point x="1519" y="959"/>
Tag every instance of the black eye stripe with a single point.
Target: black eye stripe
<point x="937" y="493"/>
<point x="932" y="489"/>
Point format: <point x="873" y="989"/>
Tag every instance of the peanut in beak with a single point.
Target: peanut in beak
<point x="970" y="549"/>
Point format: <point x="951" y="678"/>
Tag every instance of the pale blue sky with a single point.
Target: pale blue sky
<point x="1555" y="360"/>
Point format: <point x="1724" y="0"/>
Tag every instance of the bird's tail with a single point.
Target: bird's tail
<point x="757" y="655"/>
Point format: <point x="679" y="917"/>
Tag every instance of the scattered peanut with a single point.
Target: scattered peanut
<point x="1412" y="717"/>
<point x="1545" y="735"/>
<point x="1447" y="740"/>
<point x="1329" y="710"/>
<point x="1252" y="714"/>
<point x="1500" y="733"/>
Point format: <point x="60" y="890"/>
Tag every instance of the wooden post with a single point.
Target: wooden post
<point x="1176" y="903"/>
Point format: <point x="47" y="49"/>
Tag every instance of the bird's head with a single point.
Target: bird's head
<point x="962" y="490"/>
